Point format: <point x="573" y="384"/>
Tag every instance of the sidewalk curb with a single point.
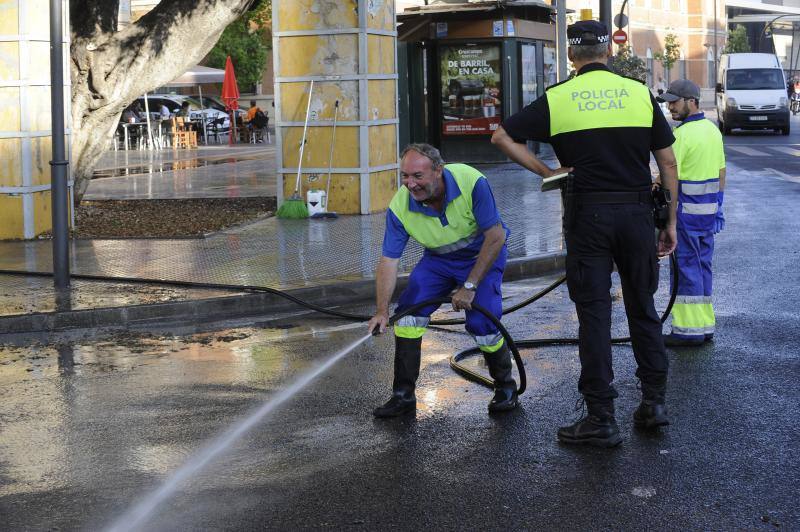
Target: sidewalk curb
<point x="236" y="306"/>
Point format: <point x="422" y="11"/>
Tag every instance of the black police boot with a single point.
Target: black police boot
<point x="650" y="415"/>
<point x="505" y="388"/>
<point x="652" y="411"/>
<point x="598" y="428"/>
<point x="407" y="354"/>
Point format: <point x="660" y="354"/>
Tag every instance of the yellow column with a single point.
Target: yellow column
<point x="348" y="48"/>
<point x="25" y="136"/>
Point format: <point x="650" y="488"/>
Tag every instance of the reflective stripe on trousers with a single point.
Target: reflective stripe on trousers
<point x="693" y="319"/>
<point x="411" y="326"/>
<point x="489" y="343"/>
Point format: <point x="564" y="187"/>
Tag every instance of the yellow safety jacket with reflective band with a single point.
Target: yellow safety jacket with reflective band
<point x="461" y="229"/>
<point x="700" y="154"/>
<point x="598" y="99"/>
<point x="699" y="150"/>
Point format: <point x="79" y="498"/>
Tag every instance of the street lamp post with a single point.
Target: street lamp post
<point x="561" y="38"/>
<point x="59" y="164"/>
<point x="605" y="13"/>
<point x="769" y="24"/>
<point x="713" y="82"/>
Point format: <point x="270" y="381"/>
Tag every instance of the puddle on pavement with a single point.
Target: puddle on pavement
<point x="246" y="353"/>
<point x="44" y="387"/>
<point x="167" y="166"/>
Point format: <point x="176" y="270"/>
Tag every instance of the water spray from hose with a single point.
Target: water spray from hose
<point x="138" y="515"/>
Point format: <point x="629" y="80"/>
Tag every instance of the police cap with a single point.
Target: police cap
<point x="587" y="33"/>
<point x="680" y="88"/>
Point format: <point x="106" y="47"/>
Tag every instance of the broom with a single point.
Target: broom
<point x="328" y="214"/>
<point x="294" y="206"/>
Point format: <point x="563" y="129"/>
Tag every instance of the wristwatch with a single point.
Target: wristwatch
<point x="470" y="286"/>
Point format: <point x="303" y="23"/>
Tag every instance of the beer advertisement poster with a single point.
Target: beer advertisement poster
<point x="471" y="82"/>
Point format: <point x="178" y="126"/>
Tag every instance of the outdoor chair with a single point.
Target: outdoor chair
<point x="244" y="132"/>
<point x="259" y="132"/>
<point x="182" y="134"/>
<point x="214" y="128"/>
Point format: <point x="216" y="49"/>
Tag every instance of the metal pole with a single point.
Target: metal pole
<point x="561" y="38"/>
<point x="713" y="82"/>
<point x="59" y="164"/>
<point x="791" y="53"/>
<point x="203" y="115"/>
<point x="151" y="143"/>
<point x="605" y="13"/>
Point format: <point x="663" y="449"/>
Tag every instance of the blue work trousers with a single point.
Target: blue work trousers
<point x="693" y="314"/>
<point x="436" y="276"/>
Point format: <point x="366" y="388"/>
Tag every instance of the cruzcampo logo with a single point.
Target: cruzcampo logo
<point x="599" y="99"/>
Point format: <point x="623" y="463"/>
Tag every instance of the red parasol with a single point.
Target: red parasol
<point x="230" y="94"/>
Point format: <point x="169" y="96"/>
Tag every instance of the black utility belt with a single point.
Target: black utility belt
<point x="611" y="198"/>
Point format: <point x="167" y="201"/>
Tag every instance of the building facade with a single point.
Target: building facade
<point x="699" y="25"/>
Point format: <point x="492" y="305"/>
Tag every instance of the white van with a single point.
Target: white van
<point x="751" y="93"/>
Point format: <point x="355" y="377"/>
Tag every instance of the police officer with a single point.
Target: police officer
<point x="450" y="211"/>
<point x="701" y="166"/>
<point x="603" y="127"/>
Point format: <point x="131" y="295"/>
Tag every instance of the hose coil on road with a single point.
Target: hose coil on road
<point x="454" y="360"/>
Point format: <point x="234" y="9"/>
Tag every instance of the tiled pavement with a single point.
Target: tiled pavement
<point x="287" y="254"/>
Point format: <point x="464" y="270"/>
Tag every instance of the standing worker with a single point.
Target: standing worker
<point x="450" y="211"/>
<point x="603" y="127"/>
<point x="701" y="166"/>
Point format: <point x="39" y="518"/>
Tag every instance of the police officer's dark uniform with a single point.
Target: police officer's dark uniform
<point x="605" y="125"/>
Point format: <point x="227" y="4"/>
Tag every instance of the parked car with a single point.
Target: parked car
<point x="174" y="102"/>
<point x="751" y="93"/>
<point x="214" y="102"/>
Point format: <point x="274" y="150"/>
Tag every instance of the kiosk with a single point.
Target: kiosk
<point x="466" y="66"/>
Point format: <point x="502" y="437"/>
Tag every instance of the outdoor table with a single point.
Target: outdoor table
<point x="158" y="138"/>
<point x="126" y="127"/>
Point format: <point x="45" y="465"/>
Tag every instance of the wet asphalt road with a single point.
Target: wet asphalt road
<point x="89" y="426"/>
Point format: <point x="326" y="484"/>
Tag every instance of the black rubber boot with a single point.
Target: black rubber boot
<point x="407" y="355"/>
<point x="505" y="388"/>
<point x="598" y="428"/>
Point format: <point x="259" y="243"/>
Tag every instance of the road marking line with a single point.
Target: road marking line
<point x="786" y="149"/>
<point x="780" y="175"/>
<point x="747" y="151"/>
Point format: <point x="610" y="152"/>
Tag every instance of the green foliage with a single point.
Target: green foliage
<point x="626" y="63"/>
<point x="671" y="53"/>
<point x="737" y="41"/>
<point x="247" y="41"/>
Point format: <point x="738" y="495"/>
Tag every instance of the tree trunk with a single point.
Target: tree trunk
<point x="110" y="69"/>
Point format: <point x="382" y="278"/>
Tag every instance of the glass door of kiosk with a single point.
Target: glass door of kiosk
<point x="528" y="72"/>
<point x="537" y="69"/>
